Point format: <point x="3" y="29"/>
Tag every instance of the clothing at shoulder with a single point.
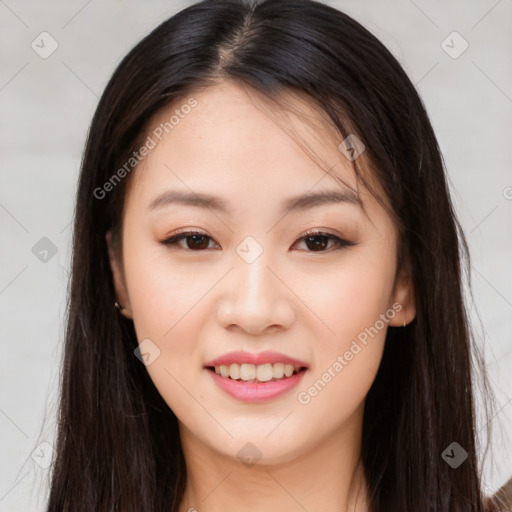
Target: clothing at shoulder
<point x="503" y="497"/>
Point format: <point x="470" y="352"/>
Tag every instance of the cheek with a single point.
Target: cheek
<point x="162" y="293"/>
<point x="345" y="364"/>
<point x="349" y="297"/>
<point x="165" y="303"/>
<point x="168" y="310"/>
<point x="354" y="304"/>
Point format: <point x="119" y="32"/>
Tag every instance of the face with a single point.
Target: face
<point x="294" y="285"/>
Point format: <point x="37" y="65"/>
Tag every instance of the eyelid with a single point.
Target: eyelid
<point x="320" y="232"/>
<point x="192" y="230"/>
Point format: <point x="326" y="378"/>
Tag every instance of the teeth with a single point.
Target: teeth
<point x="264" y="372"/>
<point x="288" y="370"/>
<point x="247" y="371"/>
<point x="261" y="372"/>
<point x="278" y="370"/>
<point x="234" y="371"/>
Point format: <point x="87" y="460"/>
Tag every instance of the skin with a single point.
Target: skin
<point x="197" y="304"/>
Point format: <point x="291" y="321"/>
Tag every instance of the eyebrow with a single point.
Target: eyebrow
<point x="300" y="202"/>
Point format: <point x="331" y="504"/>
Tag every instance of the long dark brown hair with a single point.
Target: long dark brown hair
<point x="118" y="447"/>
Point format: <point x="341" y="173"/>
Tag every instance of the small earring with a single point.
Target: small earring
<point x="118" y="306"/>
<point x="404" y="324"/>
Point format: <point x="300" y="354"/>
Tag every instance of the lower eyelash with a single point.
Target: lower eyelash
<point x="339" y="241"/>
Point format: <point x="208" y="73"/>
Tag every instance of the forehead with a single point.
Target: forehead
<point x="237" y="142"/>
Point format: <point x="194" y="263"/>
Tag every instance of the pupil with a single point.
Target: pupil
<point x="317" y="245"/>
<point x="198" y="246"/>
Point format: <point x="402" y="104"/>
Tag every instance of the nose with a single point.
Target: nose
<point x="255" y="299"/>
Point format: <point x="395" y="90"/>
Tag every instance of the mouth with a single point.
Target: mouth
<point x="262" y="373"/>
<point x="256" y="383"/>
<point x="260" y="377"/>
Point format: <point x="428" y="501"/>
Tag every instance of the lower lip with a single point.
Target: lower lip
<point x="256" y="391"/>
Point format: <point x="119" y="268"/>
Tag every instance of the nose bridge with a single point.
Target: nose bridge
<point x="254" y="279"/>
<point x="255" y="297"/>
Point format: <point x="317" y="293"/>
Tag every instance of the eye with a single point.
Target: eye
<point x="316" y="241"/>
<point x="194" y="240"/>
<point x="319" y="240"/>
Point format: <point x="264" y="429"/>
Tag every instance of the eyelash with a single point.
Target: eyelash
<point x="341" y="243"/>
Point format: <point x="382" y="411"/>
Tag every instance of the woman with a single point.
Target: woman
<point x="266" y="306"/>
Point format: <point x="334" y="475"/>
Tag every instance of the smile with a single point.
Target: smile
<point x="256" y="373"/>
<point x="251" y="388"/>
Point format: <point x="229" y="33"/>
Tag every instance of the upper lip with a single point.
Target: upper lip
<point x="256" y="359"/>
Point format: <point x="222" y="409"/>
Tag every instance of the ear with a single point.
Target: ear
<point x="403" y="295"/>
<point x="119" y="281"/>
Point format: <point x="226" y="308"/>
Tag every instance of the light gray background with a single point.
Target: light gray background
<point x="46" y="107"/>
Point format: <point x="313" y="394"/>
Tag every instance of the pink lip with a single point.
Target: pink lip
<point x="248" y="391"/>
<point x="256" y="359"/>
<point x="252" y="391"/>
